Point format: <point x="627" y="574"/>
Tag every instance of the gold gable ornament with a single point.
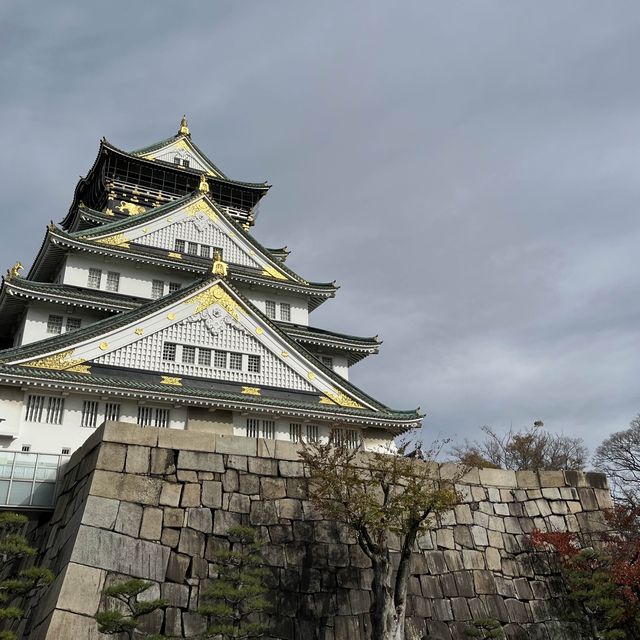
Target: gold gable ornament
<point x="203" y="187"/>
<point x="219" y="268"/>
<point x="184" y="127"/>
<point x="14" y="272"/>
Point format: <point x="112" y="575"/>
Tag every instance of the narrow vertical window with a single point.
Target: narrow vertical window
<point x="54" y="324"/>
<point x="169" y="351"/>
<point x="285" y="311"/>
<point x="89" y="414"/>
<point x="55" y="410"/>
<point x="112" y="411"/>
<point x="253" y="428"/>
<point x="35" y="407"/>
<point x="188" y="355"/>
<point x="349" y="438"/>
<point x="113" y="281"/>
<point x="270" y="309"/>
<point x="161" y="418"/>
<point x="95" y="278"/>
<point x="192" y="248"/>
<point x="295" y="431"/>
<point x="313" y="433"/>
<point x="253" y="363"/>
<point x="157" y="289"/>
<point x="268" y="429"/>
<point x="204" y="357"/>
<point x="235" y="361"/>
<point x="220" y="360"/>
<point x="145" y="416"/>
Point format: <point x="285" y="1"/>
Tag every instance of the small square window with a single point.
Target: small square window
<point x="285" y="311"/>
<point x="169" y="351"/>
<point x="173" y="287"/>
<point x="157" y="289"/>
<point x="54" y="324"/>
<point x="113" y="281"/>
<point x="270" y="308"/>
<point x="179" y="246"/>
<point x="204" y="357"/>
<point x="188" y="355"/>
<point x="253" y="363"/>
<point x="176" y="160"/>
<point x="185" y="163"/>
<point x="95" y="278"/>
<point x="235" y="361"/>
<point x="66" y="451"/>
<point x="73" y="324"/>
<point x="220" y="360"/>
<point x="26" y="447"/>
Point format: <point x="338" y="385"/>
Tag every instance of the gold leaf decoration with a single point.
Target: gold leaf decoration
<point x="311" y="375"/>
<point x="343" y="400"/>
<point x="259" y="330"/>
<point x="285" y="354"/>
<point x="251" y="391"/>
<point x="270" y="271"/>
<point x="325" y="400"/>
<point x="116" y="240"/>
<point x="139" y="331"/>
<point x="103" y="346"/>
<point x="173" y="254"/>
<point x="201" y="206"/>
<point x="171" y="316"/>
<point x="176" y="382"/>
<point x="215" y="294"/>
<point x="62" y="361"/>
<point x="130" y="208"/>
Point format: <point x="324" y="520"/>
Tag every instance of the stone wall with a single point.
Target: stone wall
<point x="154" y="503"/>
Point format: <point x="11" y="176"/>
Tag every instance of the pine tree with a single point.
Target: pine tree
<point x="14" y="547"/>
<point x="235" y="599"/>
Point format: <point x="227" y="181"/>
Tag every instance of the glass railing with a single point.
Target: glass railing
<point x="29" y="480"/>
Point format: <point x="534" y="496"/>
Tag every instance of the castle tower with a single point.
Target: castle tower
<point x="152" y="303"/>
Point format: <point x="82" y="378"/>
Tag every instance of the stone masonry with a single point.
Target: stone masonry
<point x="153" y="504"/>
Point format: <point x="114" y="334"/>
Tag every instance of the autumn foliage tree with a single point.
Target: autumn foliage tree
<point x="602" y="575"/>
<point x="379" y="496"/>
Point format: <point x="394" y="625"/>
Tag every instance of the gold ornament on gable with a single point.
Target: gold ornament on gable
<point x="62" y="361"/>
<point x="215" y="294"/>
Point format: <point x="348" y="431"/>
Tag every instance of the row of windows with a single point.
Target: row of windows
<point x="56" y="324"/>
<point x="186" y="354"/>
<point x="65" y="450"/>
<point x="91" y="410"/>
<point x="181" y="162"/>
<point x="94" y="280"/>
<point x="158" y="288"/>
<point x="47" y="409"/>
<point x="196" y="249"/>
<point x="256" y="428"/>
<point x="284" y="308"/>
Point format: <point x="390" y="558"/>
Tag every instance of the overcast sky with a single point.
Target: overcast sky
<point x="469" y="173"/>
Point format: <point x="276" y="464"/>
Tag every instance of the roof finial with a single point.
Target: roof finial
<point x="204" y="185"/>
<point x="184" y="127"/>
<point x="220" y="267"/>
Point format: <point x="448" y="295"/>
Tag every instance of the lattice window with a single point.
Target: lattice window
<point x="157" y="289"/>
<point x="176" y="160"/>
<point x="235" y="361"/>
<point x="153" y="417"/>
<point x="174" y="286"/>
<point x="268" y="429"/>
<point x="192" y="248"/>
<point x="188" y="355"/>
<point x="161" y="418"/>
<point x="112" y="411"/>
<point x="349" y="438"/>
<point x="327" y="361"/>
<point x="95" y="278"/>
<point x="73" y="324"/>
<point x="220" y="360"/>
<point x="185" y="163"/>
<point x="313" y="432"/>
<point x="285" y="311"/>
<point x="270" y="309"/>
<point x="113" y="281"/>
<point x="253" y="428"/>
<point x="253" y="363"/>
<point x="25" y="448"/>
<point x="55" y="410"/>
<point x="205" y="251"/>
<point x="179" y="246"/>
<point x="54" y="324"/>
<point x="204" y="357"/>
<point x="66" y="451"/>
<point x="169" y="351"/>
<point x="295" y="431"/>
<point x="89" y="414"/>
<point x="35" y="408"/>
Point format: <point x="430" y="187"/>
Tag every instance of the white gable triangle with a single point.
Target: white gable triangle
<point x="182" y="149"/>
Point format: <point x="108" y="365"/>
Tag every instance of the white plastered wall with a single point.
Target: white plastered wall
<point x="299" y="304"/>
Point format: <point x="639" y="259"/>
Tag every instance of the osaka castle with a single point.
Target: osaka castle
<point x="152" y="303"/>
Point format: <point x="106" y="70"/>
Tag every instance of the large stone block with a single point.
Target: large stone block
<point x="151" y="527"/>
<point x="111" y="456"/>
<point x="64" y="624"/>
<point x="263" y="466"/>
<point x="200" y="461"/>
<point x="116" y="552"/>
<point x="162" y="462"/>
<point x="81" y="589"/>
<point x="100" y="512"/>
<point x="129" y="518"/>
<point x="200" y="519"/>
<point x="127" y="433"/>
<point x="186" y="440"/>
<point x="272" y="488"/>
<point x="144" y="489"/>
<point x="137" y="459"/>
<point x="498" y="477"/>
<point x="237" y="445"/>
<point x="212" y="494"/>
<point x="170" y="494"/>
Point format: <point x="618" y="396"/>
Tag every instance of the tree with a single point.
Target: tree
<point x="126" y="593"/>
<point x="619" y="457"/>
<point x="377" y="496"/>
<point x="530" y="448"/>
<point x="235" y="599"/>
<point x="14" y="547"/>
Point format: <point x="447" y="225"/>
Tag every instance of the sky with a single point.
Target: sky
<point x="467" y="171"/>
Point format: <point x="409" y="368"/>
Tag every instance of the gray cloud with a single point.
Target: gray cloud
<point x="467" y="172"/>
